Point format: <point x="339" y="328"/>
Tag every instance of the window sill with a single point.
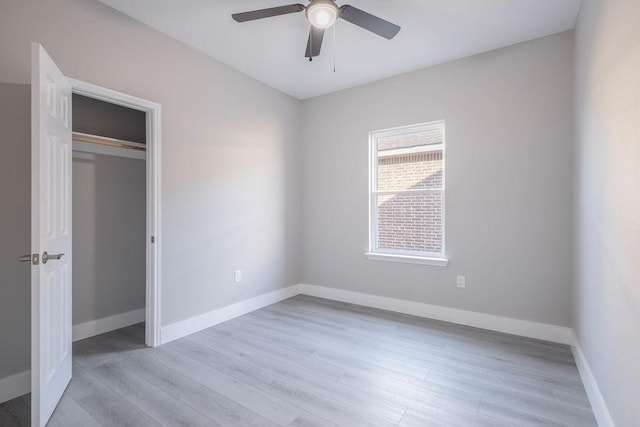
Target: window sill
<point x="410" y="259"/>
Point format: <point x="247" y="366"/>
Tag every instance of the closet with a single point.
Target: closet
<point x="109" y="216"/>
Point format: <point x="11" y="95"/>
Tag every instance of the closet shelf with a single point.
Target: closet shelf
<point x="110" y="142"/>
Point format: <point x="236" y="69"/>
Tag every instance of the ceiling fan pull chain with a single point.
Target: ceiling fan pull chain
<point x="334" y="46"/>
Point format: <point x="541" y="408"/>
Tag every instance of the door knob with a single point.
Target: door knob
<point x="46" y="257"/>
<point x="30" y="258"/>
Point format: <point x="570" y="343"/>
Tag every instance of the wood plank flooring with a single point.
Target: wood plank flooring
<point x="312" y="362"/>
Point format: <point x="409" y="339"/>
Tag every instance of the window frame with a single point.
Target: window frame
<point x="399" y="255"/>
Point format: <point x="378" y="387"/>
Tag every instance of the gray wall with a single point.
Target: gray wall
<point x="607" y="288"/>
<point x="231" y="193"/>
<point x="15" y="228"/>
<point x="108" y="235"/>
<point x="508" y="174"/>
<point x="97" y="117"/>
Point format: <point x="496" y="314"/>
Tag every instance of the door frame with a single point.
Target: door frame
<point x="153" y="196"/>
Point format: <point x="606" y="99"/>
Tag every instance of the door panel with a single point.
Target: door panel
<point x="50" y="234"/>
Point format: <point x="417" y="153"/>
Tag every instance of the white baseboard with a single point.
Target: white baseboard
<point x="525" y="328"/>
<point x="598" y="404"/>
<point x="15" y="385"/>
<point x="107" y="324"/>
<point x="197" y="323"/>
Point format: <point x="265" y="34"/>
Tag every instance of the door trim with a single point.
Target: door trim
<point x="154" y="206"/>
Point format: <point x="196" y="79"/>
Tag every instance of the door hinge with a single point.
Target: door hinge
<point x="153" y="239"/>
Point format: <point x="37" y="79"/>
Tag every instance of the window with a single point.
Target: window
<point x="406" y="203"/>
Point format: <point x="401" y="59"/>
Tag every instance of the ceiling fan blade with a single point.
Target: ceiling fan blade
<point x="267" y="13"/>
<point x="369" y="22"/>
<point x="314" y="43"/>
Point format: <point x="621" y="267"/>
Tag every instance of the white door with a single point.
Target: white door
<point x="50" y="235"/>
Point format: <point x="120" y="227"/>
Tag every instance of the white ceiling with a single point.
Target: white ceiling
<point x="272" y="50"/>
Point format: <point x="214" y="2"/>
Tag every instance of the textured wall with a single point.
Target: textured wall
<point x="607" y="287"/>
<point x="509" y="160"/>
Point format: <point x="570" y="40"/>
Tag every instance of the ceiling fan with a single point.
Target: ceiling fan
<point x="322" y="14"/>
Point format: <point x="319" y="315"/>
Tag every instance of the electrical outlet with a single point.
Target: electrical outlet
<point x="461" y="282"/>
<point x="237" y="276"/>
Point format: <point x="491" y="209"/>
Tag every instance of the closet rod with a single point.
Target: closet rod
<point x="110" y="142"/>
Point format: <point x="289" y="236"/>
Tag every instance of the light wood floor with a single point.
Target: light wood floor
<point x="313" y="362"/>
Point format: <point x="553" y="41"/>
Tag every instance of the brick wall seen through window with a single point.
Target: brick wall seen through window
<point x="408" y="193"/>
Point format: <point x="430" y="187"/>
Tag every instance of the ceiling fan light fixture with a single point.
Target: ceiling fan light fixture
<point x="322" y="13"/>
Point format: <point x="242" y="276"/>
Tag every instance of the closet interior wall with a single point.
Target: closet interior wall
<point x="109" y="214"/>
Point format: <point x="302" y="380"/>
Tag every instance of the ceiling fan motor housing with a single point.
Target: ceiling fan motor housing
<point x="322" y="13"/>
